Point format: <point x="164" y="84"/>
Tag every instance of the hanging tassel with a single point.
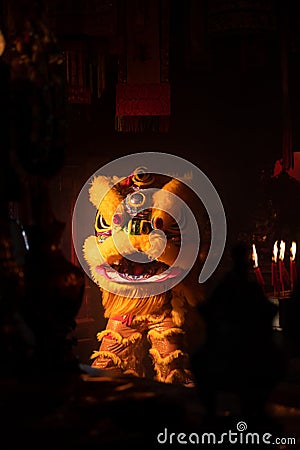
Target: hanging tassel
<point x="140" y="124"/>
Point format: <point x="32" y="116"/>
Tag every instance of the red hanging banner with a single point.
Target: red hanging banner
<point x="143" y="91"/>
<point x="143" y="99"/>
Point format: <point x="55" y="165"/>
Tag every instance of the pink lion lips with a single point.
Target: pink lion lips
<point x="126" y="271"/>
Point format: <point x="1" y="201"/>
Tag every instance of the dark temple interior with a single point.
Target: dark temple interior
<point x="83" y="83"/>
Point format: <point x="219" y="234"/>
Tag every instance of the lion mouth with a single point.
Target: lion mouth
<point x="133" y="272"/>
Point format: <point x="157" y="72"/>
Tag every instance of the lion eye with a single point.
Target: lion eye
<point x="100" y="223"/>
<point x="103" y="222"/>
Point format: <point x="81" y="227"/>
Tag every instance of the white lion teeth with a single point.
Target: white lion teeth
<point x="114" y="276"/>
<point x="125" y="277"/>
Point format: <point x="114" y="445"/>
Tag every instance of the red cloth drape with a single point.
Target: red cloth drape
<point x="143" y="90"/>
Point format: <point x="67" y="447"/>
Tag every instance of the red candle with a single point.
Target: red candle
<point x="285" y="274"/>
<point x="257" y="270"/>
<point x="282" y="273"/>
<point x="275" y="280"/>
<point x="293" y="271"/>
<point x="259" y="277"/>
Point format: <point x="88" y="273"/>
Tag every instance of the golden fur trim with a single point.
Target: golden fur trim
<point x="99" y="187"/>
<point x="177" y="376"/>
<point x="149" y="319"/>
<point x="165" y="333"/>
<point x="158" y="376"/>
<point x="178" y="308"/>
<point x="117" y="336"/>
<point x="167" y="359"/>
<point x="104" y="197"/>
<point x="132" y="339"/>
<point x="180" y="376"/>
<point x="92" y="254"/>
<point x="123" y="305"/>
<point x="178" y="318"/>
<point x="105" y="354"/>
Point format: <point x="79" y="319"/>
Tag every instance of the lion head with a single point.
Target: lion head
<point x="136" y="256"/>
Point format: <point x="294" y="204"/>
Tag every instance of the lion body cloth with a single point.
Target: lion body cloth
<point x="150" y="317"/>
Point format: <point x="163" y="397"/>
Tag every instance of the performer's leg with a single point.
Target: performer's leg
<point x="171" y="361"/>
<point x="120" y="348"/>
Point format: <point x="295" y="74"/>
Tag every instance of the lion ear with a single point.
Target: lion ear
<point x="99" y="187"/>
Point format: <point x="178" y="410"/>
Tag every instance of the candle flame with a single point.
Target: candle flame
<point x="281" y="250"/>
<point x="275" y="252"/>
<point x="254" y="256"/>
<point x="293" y="251"/>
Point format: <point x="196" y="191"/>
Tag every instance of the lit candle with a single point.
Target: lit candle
<point x="293" y="271"/>
<point x="257" y="270"/>
<point x="275" y="281"/>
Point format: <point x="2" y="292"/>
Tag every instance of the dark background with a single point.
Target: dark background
<point x="227" y="117"/>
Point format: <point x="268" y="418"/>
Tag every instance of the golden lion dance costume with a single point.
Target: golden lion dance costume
<point x="148" y="335"/>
